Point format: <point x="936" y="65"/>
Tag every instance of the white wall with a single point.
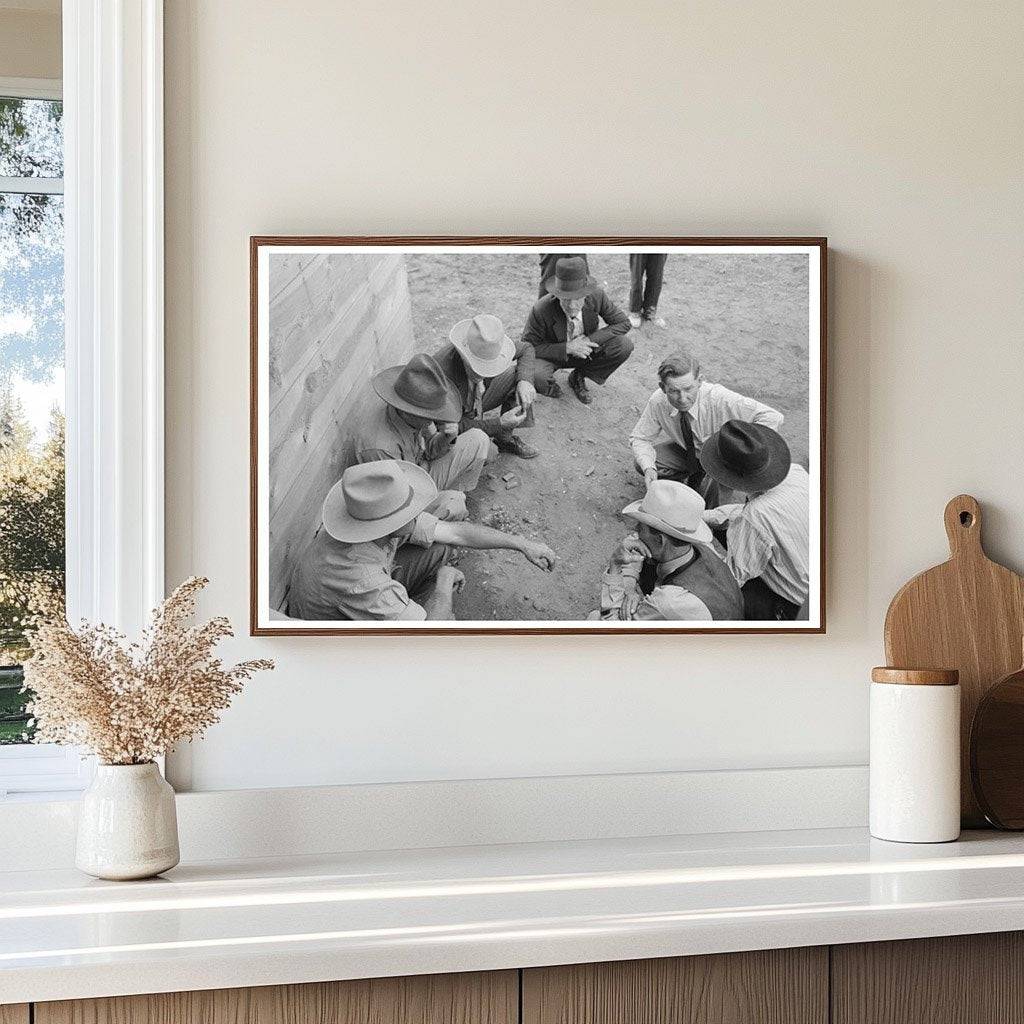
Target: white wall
<point x="30" y="39"/>
<point x="895" y="129"/>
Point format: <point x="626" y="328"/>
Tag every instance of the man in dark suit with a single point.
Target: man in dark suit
<point x="565" y="332"/>
<point x="547" y="268"/>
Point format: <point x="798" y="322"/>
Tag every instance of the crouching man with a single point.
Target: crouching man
<point x="669" y="569"/>
<point x="680" y="416"/>
<point x="379" y="555"/>
<point x="768" y="534"/>
<point x="490" y="371"/>
<point x="417" y="421"/>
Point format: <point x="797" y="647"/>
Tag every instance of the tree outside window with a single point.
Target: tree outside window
<point x="31" y="387"/>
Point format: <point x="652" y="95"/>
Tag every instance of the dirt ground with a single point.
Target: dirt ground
<point x="746" y="316"/>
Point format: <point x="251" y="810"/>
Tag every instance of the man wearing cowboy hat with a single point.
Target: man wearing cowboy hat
<point x="768" y="537"/>
<point x="417" y="398"/>
<point x="490" y="371"/>
<point x="379" y="555"/>
<point x="564" y="330"/>
<point x="690" y="581"/>
<point x="681" y="415"/>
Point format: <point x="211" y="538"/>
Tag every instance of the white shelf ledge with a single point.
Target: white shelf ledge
<point x="355" y="915"/>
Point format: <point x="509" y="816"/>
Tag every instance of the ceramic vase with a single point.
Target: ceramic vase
<point x="127" y="825"/>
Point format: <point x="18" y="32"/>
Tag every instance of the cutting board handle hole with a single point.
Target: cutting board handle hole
<point x="966" y="519"/>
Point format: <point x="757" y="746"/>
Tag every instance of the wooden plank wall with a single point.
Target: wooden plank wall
<point x="335" y="319"/>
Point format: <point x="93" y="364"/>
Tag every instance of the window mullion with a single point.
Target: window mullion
<point x="32" y="186"/>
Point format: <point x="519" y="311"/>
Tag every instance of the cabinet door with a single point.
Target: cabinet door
<point x="962" y="979"/>
<point x="482" y="998"/>
<point x="778" y="986"/>
<point x="12" y="1013"/>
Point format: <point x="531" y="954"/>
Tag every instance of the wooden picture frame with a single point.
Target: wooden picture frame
<point x="266" y="620"/>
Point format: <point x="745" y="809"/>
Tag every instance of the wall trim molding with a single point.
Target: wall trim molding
<point x="31" y="88"/>
<point x="114" y="308"/>
<point x="241" y="824"/>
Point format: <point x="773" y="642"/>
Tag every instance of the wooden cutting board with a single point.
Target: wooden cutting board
<point x="967" y="614"/>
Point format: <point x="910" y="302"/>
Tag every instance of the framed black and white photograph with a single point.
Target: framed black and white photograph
<point x="537" y="435"/>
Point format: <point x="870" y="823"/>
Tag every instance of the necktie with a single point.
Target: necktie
<point x="694" y="471"/>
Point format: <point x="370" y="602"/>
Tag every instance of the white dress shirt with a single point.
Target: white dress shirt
<point x="714" y="406"/>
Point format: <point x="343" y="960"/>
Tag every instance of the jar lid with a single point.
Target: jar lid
<point x="916" y="676"/>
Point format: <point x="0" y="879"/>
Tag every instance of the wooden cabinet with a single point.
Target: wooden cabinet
<point x="491" y="998"/>
<point x="970" y="979"/>
<point x="962" y="979"/>
<point x="777" y="986"/>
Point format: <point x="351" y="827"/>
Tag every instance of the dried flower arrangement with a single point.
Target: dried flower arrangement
<point x="130" y="703"/>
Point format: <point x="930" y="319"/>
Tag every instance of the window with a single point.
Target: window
<point x="109" y="209"/>
<point x="32" y="531"/>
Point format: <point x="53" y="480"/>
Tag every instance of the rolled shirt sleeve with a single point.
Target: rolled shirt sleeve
<point x="734" y="406"/>
<point x="671" y="604"/>
<point x="423" y="530"/>
<point x="647" y="430"/>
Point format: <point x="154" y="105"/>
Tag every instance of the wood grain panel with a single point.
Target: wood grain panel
<point x="334" y="320"/>
<point x="779" y="986"/>
<point x="962" y="979"/>
<point x="481" y="998"/>
<point x="14" y="1013"/>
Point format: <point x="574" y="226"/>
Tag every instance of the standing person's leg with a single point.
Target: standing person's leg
<point x="652" y="287"/>
<point x="460" y="467"/>
<point x="605" y="360"/>
<point x="636" y="282"/>
<point x="544" y="378"/>
<point x="416" y="568"/>
<point x="547" y="268"/>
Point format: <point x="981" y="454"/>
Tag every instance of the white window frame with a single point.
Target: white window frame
<point x="114" y="325"/>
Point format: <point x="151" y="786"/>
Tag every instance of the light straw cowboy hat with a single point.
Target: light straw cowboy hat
<point x="374" y="499"/>
<point x="672" y="508"/>
<point x="746" y="456"/>
<point x="420" y="387"/>
<point x="570" y="279"/>
<point x="483" y="343"/>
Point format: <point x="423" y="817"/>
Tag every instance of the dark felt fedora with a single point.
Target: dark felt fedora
<point x="420" y="387"/>
<point x="746" y="456"/>
<point x="570" y="279"/>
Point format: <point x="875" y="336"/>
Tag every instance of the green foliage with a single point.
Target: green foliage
<point x="32" y="552"/>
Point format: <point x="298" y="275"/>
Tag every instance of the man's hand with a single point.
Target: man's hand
<point x="721" y="515"/>
<point x="630" y="602"/>
<point x="450" y="579"/>
<point x="539" y="554"/>
<point x="630" y="551"/>
<point x="437" y="442"/>
<point x="650" y="475"/>
<point x="581" y="347"/>
<point x="513" y="418"/>
<point x="526" y="393"/>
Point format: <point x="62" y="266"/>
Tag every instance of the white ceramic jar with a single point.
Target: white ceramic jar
<point x="127" y="824"/>
<point x="915" y="755"/>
